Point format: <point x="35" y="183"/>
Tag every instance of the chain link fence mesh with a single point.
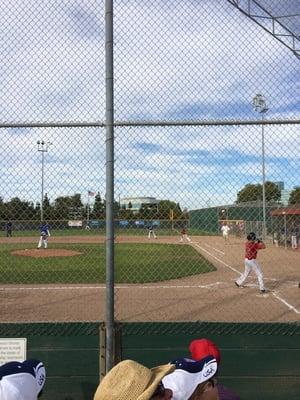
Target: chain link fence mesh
<point x="191" y="156"/>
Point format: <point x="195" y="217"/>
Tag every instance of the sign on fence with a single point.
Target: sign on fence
<point x="12" y="349"/>
<point x="76" y="223"/>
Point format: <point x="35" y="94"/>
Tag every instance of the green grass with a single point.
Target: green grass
<point x="134" y="263"/>
<point x="101" y="232"/>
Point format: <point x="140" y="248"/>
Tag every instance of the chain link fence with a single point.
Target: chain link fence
<point x="191" y="155"/>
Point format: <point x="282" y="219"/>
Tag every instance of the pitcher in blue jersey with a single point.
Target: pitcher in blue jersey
<point x="44" y="234"/>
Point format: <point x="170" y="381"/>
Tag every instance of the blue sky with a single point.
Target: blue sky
<point x="174" y="60"/>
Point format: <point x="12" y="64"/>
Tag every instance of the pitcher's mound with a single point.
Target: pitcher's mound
<point x="46" y="253"/>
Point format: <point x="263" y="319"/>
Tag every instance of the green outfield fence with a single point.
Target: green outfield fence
<point x="121" y="116"/>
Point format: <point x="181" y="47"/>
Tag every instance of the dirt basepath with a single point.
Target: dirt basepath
<point x="209" y="297"/>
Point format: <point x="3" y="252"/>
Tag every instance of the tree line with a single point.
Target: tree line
<point x="254" y="192"/>
<point x="72" y="208"/>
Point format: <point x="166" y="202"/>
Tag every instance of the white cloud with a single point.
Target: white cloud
<point x="173" y="60"/>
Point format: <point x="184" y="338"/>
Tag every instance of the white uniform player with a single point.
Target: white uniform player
<point x="225" y="231"/>
<point x="184" y="236"/>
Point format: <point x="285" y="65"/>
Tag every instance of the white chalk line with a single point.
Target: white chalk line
<point x="217" y="250"/>
<point x="209" y="286"/>
<point x="28" y="288"/>
<point x="216" y="258"/>
<point x="154" y="287"/>
<point x="292" y="308"/>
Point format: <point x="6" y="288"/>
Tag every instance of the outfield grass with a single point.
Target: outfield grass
<point x="134" y="263"/>
<point x="101" y="232"/>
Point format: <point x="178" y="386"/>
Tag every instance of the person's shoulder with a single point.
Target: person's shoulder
<point x="227" y="394"/>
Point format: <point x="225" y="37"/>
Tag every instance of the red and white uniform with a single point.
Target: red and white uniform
<point x="251" y="264"/>
<point x="184" y="236"/>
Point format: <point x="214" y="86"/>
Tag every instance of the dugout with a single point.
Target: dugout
<point x="285" y="224"/>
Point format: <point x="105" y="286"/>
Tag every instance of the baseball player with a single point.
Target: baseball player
<point x="294" y="238"/>
<point x="184" y="235"/>
<point x="225" y="231"/>
<point x="251" y="247"/>
<point x="44" y="234"/>
<point x="9" y="229"/>
<point x="151" y="232"/>
<point x="22" y="380"/>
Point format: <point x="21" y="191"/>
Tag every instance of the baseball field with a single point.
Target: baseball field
<point x="156" y="280"/>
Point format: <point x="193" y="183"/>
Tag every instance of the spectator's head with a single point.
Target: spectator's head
<point x="193" y="378"/>
<point x="200" y="348"/>
<point x="129" y="380"/>
<point x="22" y="380"/>
<point x="206" y="391"/>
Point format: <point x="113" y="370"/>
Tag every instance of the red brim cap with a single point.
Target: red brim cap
<point x="200" y="348"/>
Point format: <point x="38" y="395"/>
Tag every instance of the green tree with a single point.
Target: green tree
<point x="164" y="207"/>
<point x="125" y="214"/>
<point x="98" y="211"/>
<point x="273" y="193"/>
<point x="37" y="209"/>
<point x="68" y="207"/>
<point x="47" y="209"/>
<point x="17" y="209"/>
<point x="249" y="193"/>
<point x="146" y="212"/>
<point x="2" y="209"/>
<point x="253" y="192"/>
<point x="295" y="196"/>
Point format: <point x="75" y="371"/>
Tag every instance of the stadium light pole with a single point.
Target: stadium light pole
<point x="43" y="148"/>
<point x="260" y="105"/>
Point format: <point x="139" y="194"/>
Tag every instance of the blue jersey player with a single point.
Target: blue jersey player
<point x="44" y="234"/>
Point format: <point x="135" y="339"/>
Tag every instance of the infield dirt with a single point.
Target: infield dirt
<point x="206" y="297"/>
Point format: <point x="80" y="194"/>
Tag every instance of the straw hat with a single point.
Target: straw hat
<point x="130" y="380"/>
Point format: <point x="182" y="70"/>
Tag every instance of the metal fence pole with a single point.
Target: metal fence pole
<point x="264" y="230"/>
<point x="285" y="230"/>
<point x="109" y="184"/>
<point x="42" y="189"/>
<point x="260" y="105"/>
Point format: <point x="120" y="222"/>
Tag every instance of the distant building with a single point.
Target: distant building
<point x="280" y="185"/>
<point x="136" y="203"/>
<point x="285" y="195"/>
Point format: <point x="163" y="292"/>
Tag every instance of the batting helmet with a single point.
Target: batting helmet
<point x="251" y="236"/>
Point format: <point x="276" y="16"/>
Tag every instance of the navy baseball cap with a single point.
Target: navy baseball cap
<point x="22" y="380"/>
<point x="188" y="375"/>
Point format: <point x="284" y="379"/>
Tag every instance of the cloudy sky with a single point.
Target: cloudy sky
<point x="174" y="61"/>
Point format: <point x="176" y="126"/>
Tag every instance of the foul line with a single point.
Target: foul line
<point x="286" y="303"/>
<point x="116" y="287"/>
<point x="233" y="269"/>
<point x="219" y="251"/>
<point x="216" y="258"/>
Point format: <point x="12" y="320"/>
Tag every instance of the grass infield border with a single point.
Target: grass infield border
<point x="134" y="263"/>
